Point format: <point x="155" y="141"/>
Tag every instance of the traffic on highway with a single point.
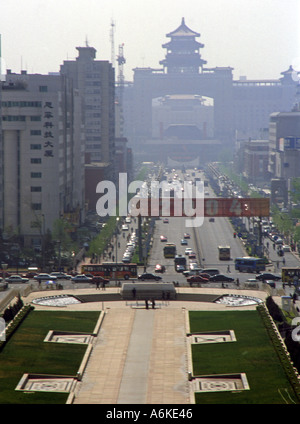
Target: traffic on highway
<point x="206" y="255"/>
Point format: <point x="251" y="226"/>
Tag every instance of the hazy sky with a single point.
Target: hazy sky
<point x="258" y="38"/>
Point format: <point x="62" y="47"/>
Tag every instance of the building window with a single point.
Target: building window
<point x="36" y="118"/>
<point x="35" y="132"/>
<point x="35" y="189"/>
<point x="11" y="118"/>
<point x="43" y="88"/>
<point x="35" y="147"/>
<point x="36" y="206"/>
<point x="35" y="160"/>
<point x="36" y="175"/>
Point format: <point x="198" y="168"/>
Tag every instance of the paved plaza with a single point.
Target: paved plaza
<point x="140" y="356"/>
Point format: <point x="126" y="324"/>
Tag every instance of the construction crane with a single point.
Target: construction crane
<point x="120" y="85"/>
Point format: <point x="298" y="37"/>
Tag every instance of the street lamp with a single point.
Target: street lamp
<point x="116" y="258"/>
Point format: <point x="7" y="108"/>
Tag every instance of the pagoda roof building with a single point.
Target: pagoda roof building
<point x="183" y="51"/>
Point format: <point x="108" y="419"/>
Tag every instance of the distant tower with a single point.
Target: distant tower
<point x="183" y="51"/>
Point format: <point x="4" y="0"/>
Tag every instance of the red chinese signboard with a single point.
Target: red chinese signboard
<point x="213" y="207"/>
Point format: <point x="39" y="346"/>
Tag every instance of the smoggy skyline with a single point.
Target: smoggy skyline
<point x="258" y="38"/>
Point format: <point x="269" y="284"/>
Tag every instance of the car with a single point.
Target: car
<point x="125" y="227"/>
<point x="197" y="279"/>
<point x="204" y="275"/>
<point x="192" y="255"/>
<point x="184" y="242"/>
<point x="221" y="277"/>
<point x="210" y="271"/>
<point x="188" y="250"/>
<point x="194" y="265"/>
<point x="251" y="280"/>
<point x="268" y="276"/>
<point x="190" y="272"/>
<point x="163" y="238"/>
<point x="60" y="275"/>
<point x="186" y="236"/>
<point x="44" y="277"/>
<point x="16" y="279"/>
<point x="279" y="241"/>
<point x="165" y="221"/>
<point x="97" y="279"/>
<point x="180" y="268"/>
<point x="148" y="276"/>
<point x="271" y="283"/>
<point x="211" y="219"/>
<point x="29" y="274"/>
<point x="160" y="268"/>
<point x="128" y="220"/>
<point x="286" y="248"/>
<point x="81" y="278"/>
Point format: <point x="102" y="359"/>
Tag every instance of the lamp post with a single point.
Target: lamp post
<point x="116" y="258"/>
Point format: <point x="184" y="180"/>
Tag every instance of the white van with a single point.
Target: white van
<point x="210" y="271"/>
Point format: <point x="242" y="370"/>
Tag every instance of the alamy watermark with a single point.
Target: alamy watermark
<point x="153" y="199"/>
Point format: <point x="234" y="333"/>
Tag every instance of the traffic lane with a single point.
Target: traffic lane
<point x="174" y="232"/>
<point x="214" y="234"/>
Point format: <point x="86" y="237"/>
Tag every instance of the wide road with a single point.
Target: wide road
<point x="204" y="240"/>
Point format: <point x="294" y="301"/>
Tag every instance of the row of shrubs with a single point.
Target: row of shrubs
<point x="15" y="323"/>
<point x="280" y="348"/>
<point x="12" y="310"/>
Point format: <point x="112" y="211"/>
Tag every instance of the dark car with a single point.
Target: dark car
<point x="268" y="276"/>
<point x="270" y="283"/>
<point x="97" y="279"/>
<point x="149" y="276"/>
<point x="221" y="277"/>
<point x="180" y="268"/>
<point x="184" y="242"/>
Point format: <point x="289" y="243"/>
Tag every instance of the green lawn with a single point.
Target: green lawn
<point x="252" y="353"/>
<point x="26" y="352"/>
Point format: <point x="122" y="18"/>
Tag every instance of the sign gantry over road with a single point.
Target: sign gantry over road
<point x="194" y="207"/>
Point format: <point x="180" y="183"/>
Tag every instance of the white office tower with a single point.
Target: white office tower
<point x="43" y="154"/>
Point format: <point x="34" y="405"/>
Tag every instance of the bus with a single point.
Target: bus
<point x="250" y="264"/>
<point x="179" y="260"/>
<point x="111" y="270"/>
<point x="224" y="253"/>
<point x="170" y="250"/>
<point x="290" y="275"/>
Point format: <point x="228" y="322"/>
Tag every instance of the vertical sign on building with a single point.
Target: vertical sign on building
<point x="48" y="130"/>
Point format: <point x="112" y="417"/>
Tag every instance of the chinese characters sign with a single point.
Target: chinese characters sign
<point x="213" y="207"/>
<point x="47" y="130"/>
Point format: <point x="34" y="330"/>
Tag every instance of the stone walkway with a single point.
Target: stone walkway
<point x="140" y="356"/>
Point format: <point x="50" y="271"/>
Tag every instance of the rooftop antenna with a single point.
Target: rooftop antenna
<point x="112" y="41"/>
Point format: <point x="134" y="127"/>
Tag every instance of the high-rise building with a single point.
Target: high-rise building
<point x="42" y="154"/>
<point x="95" y="81"/>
